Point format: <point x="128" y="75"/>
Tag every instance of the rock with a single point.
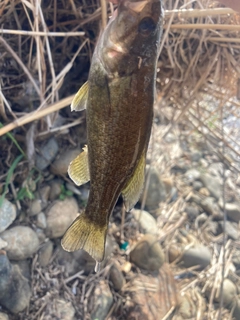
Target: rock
<point x="41" y="220"/>
<point x="59" y="217"/>
<point x="64" y="309"/>
<point x="60" y="165"/>
<point x="213" y="184"/>
<point x="147" y="253"/>
<point x="192" y="212"/>
<point x="45" y="253"/>
<point x="22" y="242"/>
<point x="232" y="210"/>
<point x="232" y="229"/>
<point x="146" y="221"/>
<point x="126" y="267"/>
<point x="197" y="185"/>
<point x="47" y="154"/>
<point x="174" y="252"/>
<point x="181" y="167"/>
<point x="8" y="214"/>
<point x="41" y="235"/>
<point x="192" y="305"/>
<point x="116" y="277"/>
<point x="15" y="292"/>
<point x="44" y="195"/>
<point x="236" y="310"/>
<point x="198" y="255"/>
<point x="196" y="156"/>
<point x="102" y="301"/>
<point x="205" y="192"/>
<point x="191" y="175"/>
<point x="229" y="293"/>
<point x="211" y="207"/>
<point x="55" y="190"/>
<point x="3" y="243"/>
<point x="156" y="192"/>
<point x="24" y="267"/>
<point x="35" y="207"/>
<point x="3" y="316"/>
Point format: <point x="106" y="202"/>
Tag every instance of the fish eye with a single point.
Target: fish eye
<point x="146" y="26"/>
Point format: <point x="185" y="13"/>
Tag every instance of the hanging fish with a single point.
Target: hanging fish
<point x="118" y="98"/>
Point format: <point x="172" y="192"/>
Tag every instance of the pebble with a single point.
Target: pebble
<point x="232" y="210"/>
<point x="3" y="316"/>
<point x="191" y="175"/>
<point x="24" y="267"/>
<point x="196" y="156"/>
<point x="102" y="301"/>
<point x="22" y="242"/>
<point x="35" y="207"/>
<point x="60" y="165"/>
<point x="198" y="255"/>
<point x="192" y="212"/>
<point x="64" y="309"/>
<point x="232" y="229"/>
<point x="236" y="310"/>
<point x="147" y="253"/>
<point x="213" y="185"/>
<point x="156" y="190"/>
<point x="211" y="207"/>
<point x="59" y="217"/>
<point x="41" y="220"/>
<point x="188" y="307"/>
<point x="44" y="195"/>
<point x="55" y="190"/>
<point x="116" y="277"/>
<point x="45" y="253"/>
<point x="146" y="221"/>
<point x="15" y="291"/>
<point x="47" y="154"/>
<point x="8" y="214"/>
<point x="197" y="185"/>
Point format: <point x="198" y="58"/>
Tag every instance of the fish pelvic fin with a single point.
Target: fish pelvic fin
<point x="133" y="189"/>
<point x="78" y="169"/>
<point x="87" y="235"/>
<point x="79" y="102"/>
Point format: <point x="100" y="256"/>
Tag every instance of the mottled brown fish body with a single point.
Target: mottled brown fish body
<point x="119" y="110"/>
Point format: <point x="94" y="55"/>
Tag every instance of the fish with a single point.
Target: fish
<point x="118" y="98"/>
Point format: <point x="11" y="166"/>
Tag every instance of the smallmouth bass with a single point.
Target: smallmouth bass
<point x="118" y="98"/>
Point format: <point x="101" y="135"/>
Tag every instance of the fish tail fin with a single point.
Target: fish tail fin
<point x="87" y="235"/>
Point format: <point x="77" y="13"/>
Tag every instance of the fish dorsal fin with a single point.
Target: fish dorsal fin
<point x="78" y="169"/>
<point x="79" y="102"/>
<point x="134" y="186"/>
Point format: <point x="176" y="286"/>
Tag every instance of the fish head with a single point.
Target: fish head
<point x="132" y="37"/>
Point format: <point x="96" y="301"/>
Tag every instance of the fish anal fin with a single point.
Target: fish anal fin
<point x="78" y="169"/>
<point x="79" y="102"/>
<point x="87" y="235"/>
<point x="133" y="189"/>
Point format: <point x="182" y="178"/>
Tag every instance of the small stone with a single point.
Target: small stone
<point x="44" y="195"/>
<point x="55" y="190"/>
<point x="205" y="192"/>
<point x="188" y="307"/>
<point x="192" y="212"/>
<point x="41" y="235"/>
<point x="191" y="175"/>
<point x="211" y="207"/>
<point x="181" y="167"/>
<point x="174" y="252"/>
<point x="47" y="154"/>
<point x="147" y="253"/>
<point x="59" y="217"/>
<point x="236" y="310"/>
<point x="232" y="210"/>
<point x="156" y="192"/>
<point x="35" y="207"/>
<point x="3" y="243"/>
<point x="45" y="253"/>
<point x="41" y="221"/>
<point x="146" y="221"/>
<point x="64" y="309"/>
<point x="24" y="267"/>
<point x="126" y="267"/>
<point x="61" y="164"/>
<point x="231" y="229"/>
<point x="229" y="293"/>
<point x="197" y="185"/>
<point x="3" y="316"/>
<point x="102" y="301"/>
<point x="213" y="184"/>
<point x="116" y="277"/>
<point x="196" y="156"/>
<point x="15" y="292"/>
<point x="22" y="242"/>
<point x="198" y="255"/>
<point x="8" y="214"/>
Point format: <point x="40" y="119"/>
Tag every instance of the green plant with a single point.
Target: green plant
<point x="64" y="193"/>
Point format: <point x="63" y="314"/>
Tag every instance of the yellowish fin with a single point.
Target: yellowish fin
<point x="79" y="102"/>
<point x="134" y="186"/>
<point x="85" y="234"/>
<point x="78" y="169"/>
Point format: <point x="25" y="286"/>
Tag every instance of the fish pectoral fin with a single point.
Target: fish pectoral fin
<point x="79" y="102"/>
<point x="87" y="235"/>
<point x="134" y="186"/>
<point x="78" y="169"/>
